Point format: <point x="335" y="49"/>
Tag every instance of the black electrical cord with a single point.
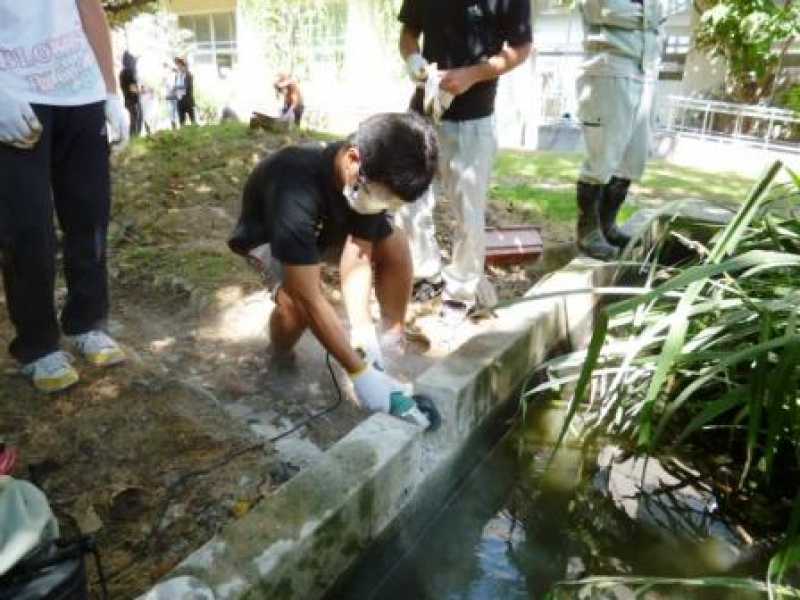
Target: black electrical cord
<point x="175" y="485"/>
<point x="321" y="413"/>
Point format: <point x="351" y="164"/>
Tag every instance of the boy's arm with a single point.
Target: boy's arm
<point x="302" y="284"/>
<point x="95" y="26"/>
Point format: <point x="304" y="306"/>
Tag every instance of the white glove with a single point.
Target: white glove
<point x="365" y="340"/>
<point x="19" y="126"/>
<point x="436" y="100"/>
<point x="374" y="388"/>
<point x="417" y="67"/>
<point x="117" y="118"/>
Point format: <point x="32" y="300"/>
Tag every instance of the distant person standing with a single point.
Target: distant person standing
<point x="149" y="103"/>
<point x="54" y="156"/>
<point x="169" y="96"/>
<point x="615" y="101"/>
<point x="129" y="85"/>
<point x="184" y="92"/>
<point x="293" y="107"/>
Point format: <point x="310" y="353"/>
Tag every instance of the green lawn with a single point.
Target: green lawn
<point x="544" y="183"/>
<point x="208" y="165"/>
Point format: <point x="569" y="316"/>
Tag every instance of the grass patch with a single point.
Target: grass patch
<point x="176" y="198"/>
<point x="544" y="183"/>
<point x="167" y="186"/>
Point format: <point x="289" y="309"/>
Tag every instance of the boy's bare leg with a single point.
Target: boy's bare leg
<point x="393" y="280"/>
<point x="286" y="324"/>
<point x="355" y="271"/>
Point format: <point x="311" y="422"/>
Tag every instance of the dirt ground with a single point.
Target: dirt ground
<point x="155" y="455"/>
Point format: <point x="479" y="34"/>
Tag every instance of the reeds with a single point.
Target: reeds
<point x="712" y="343"/>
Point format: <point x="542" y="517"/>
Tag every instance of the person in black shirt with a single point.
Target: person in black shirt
<point x="129" y="85"/>
<point x="183" y="91"/>
<point x="472" y="43"/>
<point x="306" y="204"/>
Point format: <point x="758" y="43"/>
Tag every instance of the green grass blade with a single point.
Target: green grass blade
<point x="585" y="379"/>
<point x="712" y="410"/>
<point x="733" y="231"/>
<point x="746" y="356"/>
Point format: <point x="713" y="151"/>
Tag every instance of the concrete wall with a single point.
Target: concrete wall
<point x="387" y="475"/>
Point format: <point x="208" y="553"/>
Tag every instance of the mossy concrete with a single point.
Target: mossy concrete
<point x="387" y="476"/>
<point x="296" y="543"/>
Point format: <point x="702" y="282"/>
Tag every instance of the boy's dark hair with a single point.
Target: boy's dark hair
<point x="398" y="150"/>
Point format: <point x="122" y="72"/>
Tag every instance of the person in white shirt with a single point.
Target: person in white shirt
<point x="57" y="94"/>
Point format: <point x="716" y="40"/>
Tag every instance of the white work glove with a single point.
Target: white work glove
<point x="364" y="339"/>
<point x="417" y="67"/>
<point x="117" y="118"/>
<point x="19" y="126"/>
<point x="374" y="388"/>
<point x="436" y="100"/>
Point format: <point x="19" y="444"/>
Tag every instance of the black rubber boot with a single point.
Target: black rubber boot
<point x="614" y="194"/>
<point x="591" y="240"/>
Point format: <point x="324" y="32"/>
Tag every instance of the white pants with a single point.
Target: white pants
<point x="466" y="154"/>
<point x="616" y="113"/>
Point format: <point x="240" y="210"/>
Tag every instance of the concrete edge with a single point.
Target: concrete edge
<point x="299" y="542"/>
<point x="313" y="529"/>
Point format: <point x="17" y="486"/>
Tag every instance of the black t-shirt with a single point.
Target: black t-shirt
<point x="127" y="78"/>
<point x="460" y="33"/>
<point x="290" y="201"/>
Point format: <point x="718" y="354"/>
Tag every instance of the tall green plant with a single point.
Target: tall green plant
<point x="720" y="340"/>
<point x="751" y="35"/>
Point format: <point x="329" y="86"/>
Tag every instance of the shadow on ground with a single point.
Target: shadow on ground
<point x="155" y="455"/>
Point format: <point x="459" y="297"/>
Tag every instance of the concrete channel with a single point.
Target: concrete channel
<point x="387" y="479"/>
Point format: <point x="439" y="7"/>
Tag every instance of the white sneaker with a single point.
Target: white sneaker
<point x="52" y="372"/>
<point x="98" y="348"/>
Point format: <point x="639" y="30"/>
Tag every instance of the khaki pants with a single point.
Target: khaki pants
<point x="616" y="113"/>
<point x="466" y="155"/>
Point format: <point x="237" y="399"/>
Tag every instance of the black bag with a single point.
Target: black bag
<point x="57" y="572"/>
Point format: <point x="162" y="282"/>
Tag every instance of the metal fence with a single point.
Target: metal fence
<point x="764" y="126"/>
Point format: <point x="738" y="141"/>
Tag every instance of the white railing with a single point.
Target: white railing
<point x="759" y="125"/>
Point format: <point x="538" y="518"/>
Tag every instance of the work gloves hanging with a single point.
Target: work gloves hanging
<point x="427" y="76"/>
<point x="436" y="100"/>
<point x="19" y="126"/>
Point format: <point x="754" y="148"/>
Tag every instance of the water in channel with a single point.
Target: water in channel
<point x="513" y="532"/>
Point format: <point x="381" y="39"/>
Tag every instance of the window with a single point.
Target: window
<point x="214" y="37"/>
<point x="673" y="60"/>
<point x="676" y="45"/>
